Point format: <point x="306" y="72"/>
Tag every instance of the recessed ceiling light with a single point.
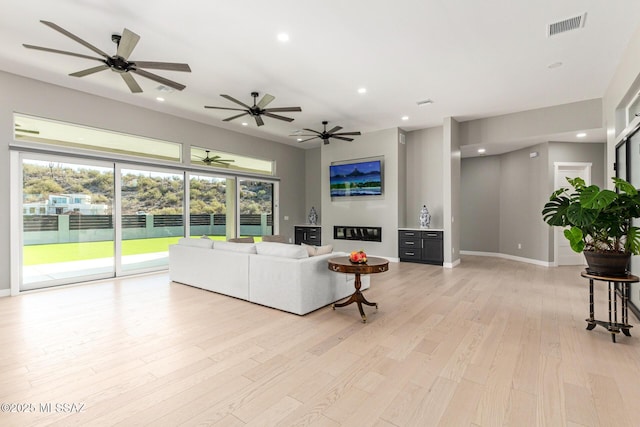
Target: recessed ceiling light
<point x="362" y="90"/>
<point x="425" y="102"/>
<point x="405" y="118"/>
<point x="160" y="99"/>
<point x="283" y="37"/>
<point x="554" y="65"/>
<point x="244" y="123"/>
<point x="299" y="139"/>
<point x="482" y="150"/>
<point x="581" y="135"/>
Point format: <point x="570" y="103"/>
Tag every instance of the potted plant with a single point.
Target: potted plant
<point x="600" y="223"/>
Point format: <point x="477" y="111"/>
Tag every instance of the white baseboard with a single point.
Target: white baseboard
<point x="509" y="257"/>
<point x="451" y="264"/>
<point x="5" y="293"/>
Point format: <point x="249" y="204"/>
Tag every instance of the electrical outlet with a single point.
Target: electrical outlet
<point x="286" y="218"/>
<point x="519" y="245"/>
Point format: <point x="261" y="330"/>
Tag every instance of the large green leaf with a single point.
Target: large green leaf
<point x="555" y="211"/>
<point x="624" y="186"/>
<point x="580" y="216"/>
<point x="594" y="198"/>
<point x="632" y="243"/>
<point x="574" y="236"/>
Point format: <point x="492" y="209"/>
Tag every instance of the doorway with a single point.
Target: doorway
<point x="563" y="253"/>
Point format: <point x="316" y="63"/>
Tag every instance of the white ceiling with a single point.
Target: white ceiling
<point x="473" y="58"/>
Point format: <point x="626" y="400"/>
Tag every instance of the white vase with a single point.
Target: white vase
<point x="425" y="217"/>
<point x="313" y="216"/>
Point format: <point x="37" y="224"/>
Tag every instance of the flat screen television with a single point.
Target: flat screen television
<point x="356" y="179"/>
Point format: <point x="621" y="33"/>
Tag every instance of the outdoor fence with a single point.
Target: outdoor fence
<point x="46" y="229"/>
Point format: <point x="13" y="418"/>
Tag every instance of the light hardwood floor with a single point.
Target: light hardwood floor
<point x="491" y="342"/>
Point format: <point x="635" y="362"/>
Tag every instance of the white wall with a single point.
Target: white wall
<point x="451" y="190"/>
<point x="313" y="190"/>
<point x="366" y="211"/>
<point x="36" y="98"/>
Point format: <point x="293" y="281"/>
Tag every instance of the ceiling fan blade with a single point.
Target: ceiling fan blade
<point x="171" y="66"/>
<point x="259" y="120"/>
<point x="308" y="139"/>
<point x="232" y="99"/>
<point x="34" y="132"/>
<point x="224" y="160"/>
<point x="134" y="87"/>
<point x="235" y="117"/>
<point x="64" y="52"/>
<point x="127" y="43"/>
<point x="74" y="37"/>
<point x="283" y="109"/>
<point x="266" y="100"/>
<point x="89" y="71"/>
<point x="311" y="130"/>
<point x="224" y="108"/>
<point x="335" y="129"/>
<point x="342" y="138"/>
<point x="159" y="79"/>
<point x="347" y="133"/>
<point x="275" y="116"/>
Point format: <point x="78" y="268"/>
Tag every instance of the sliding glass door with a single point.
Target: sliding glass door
<point x="211" y="206"/>
<point x="152" y="217"/>
<point x="256" y="208"/>
<point x="67" y="221"/>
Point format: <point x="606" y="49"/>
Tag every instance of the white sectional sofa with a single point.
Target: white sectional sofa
<point x="276" y="275"/>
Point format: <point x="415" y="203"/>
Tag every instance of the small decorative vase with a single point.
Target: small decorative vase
<point x="425" y="217"/>
<point x="313" y="216"/>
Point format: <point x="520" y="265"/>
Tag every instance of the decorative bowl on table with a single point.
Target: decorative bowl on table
<point x="358" y="257"/>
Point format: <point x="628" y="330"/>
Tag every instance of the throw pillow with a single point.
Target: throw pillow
<point x="318" y="250"/>
<point x="234" y="247"/>
<point x="279" y="238"/>
<point x="241" y="240"/>
<point x="204" y="236"/>
<point x="198" y="243"/>
<point x="281" y="250"/>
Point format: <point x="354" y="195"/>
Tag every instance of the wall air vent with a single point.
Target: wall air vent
<point x="565" y="25"/>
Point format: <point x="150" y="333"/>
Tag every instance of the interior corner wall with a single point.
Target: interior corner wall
<point x="33" y="97"/>
<point x="480" y="202"/>
<point x="451" y="190"/>
<point x="312" y="174"/>
<point x="424" y="176"/>
<point x="523" y="193"/>
<point x="372" y="211"/>
<point x="402" y="177"/>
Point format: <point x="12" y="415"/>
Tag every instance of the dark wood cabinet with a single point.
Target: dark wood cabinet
<point x="424" y="246"/>
<point x="311" y="235"/>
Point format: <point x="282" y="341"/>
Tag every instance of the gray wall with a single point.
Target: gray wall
<point x="379" y="211"/>
<point x="451" y="189"/>
<point x="424" y="176"/>
<point x="503" y="196"/>
<point x="313" y="188"/>
<point x="480" y="204"/>
<point x="49" y="101"/>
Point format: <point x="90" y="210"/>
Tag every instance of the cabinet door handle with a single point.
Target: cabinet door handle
<point x="421" y="244"/>
<point x="409" y="234"/>
<point x="432" y="234"/>
<point x="409" y="253"/>
<point x="409" y="243"/>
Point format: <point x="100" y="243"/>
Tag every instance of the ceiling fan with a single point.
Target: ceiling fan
<point x="209" y="160"/>
<point x="119" y="62"/>
<point x="326" y="135"/>
<point x="258" y="109"/>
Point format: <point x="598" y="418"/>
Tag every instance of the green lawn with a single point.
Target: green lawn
<point x="64" y="252"/>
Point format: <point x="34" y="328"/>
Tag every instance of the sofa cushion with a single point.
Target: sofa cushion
<point x="235" y="247"/>
<point x="318" y="250"/>
<point x="282" y="250"/>
<point x="199" y="243"/>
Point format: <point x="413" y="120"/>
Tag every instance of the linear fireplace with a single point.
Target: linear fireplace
<point x="356" y="232"/>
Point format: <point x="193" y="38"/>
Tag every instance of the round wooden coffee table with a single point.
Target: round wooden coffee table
<point x="343" y="265"/>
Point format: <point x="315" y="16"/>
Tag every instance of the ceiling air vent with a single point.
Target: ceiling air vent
<point x="566" y="25"/>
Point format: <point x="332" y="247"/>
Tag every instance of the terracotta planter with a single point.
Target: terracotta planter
<point x="607" y="264"/>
